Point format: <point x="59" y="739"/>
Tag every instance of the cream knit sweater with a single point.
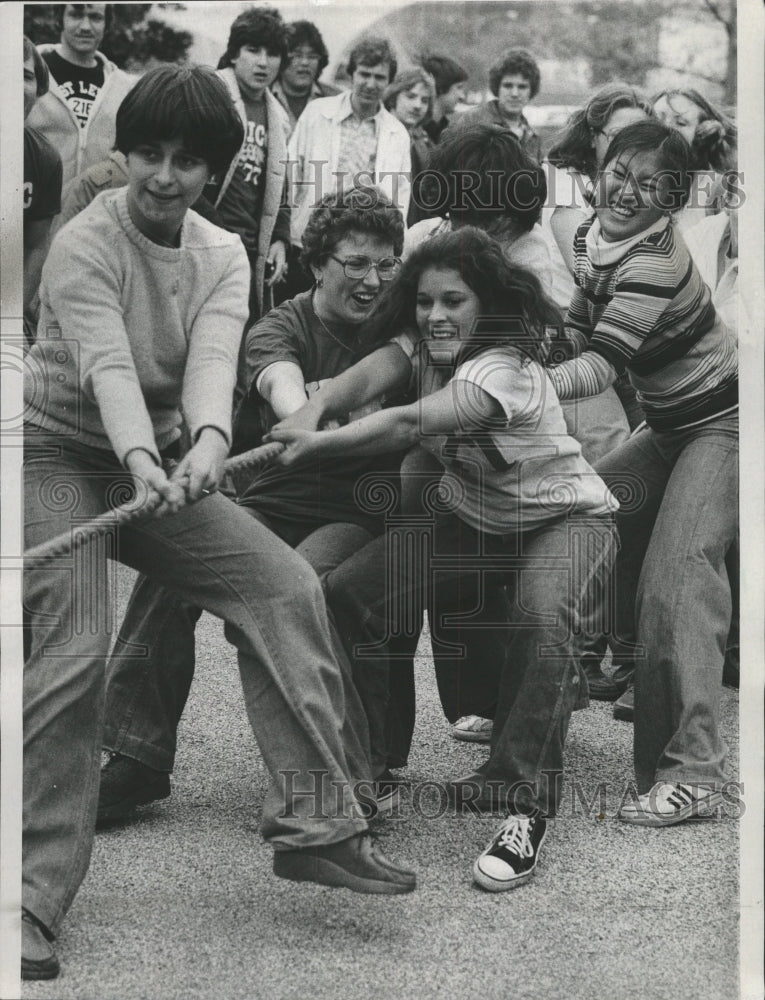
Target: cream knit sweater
<point x="132" y="333"/>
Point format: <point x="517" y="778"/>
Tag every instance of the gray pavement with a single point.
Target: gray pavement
<point x="182" y="905"/>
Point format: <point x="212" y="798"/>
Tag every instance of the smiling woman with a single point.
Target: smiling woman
<point x="171" y="150"/>
<point x="510" y="482"/>
<point x="157" y="327"/>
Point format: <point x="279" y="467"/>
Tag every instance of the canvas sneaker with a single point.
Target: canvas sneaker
<point x="670" y="802"/>
<point x="473" y="729"/>
<point x="511" y="857"/>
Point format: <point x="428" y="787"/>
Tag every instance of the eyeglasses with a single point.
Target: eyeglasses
<point x="359" y="267"/>
<point x="304" y="55"/>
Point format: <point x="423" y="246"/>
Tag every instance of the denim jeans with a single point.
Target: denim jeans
<point x="217" y="557"/>
<point x="469" y="684"/>
<point x="677" y="523"/>
<point x="556" y="576"/>
<point x="152" y="666"/>
<point x="598" y="423"/>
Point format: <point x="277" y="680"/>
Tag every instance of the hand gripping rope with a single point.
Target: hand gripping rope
<point x="132" y="512"/>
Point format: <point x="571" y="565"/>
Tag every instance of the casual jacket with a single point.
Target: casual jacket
<point x="79" y="148"/>
<point x="317" y="90"/>
<point x="317" y="138"/>
<point x="489" y="114"/>
<point x="274" y="172"/>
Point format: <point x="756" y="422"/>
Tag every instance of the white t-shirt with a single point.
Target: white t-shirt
<point x="525" y="469"/>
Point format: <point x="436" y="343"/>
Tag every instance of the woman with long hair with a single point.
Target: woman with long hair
<point x="516" y="505"/>
<point x="713" y="137"/>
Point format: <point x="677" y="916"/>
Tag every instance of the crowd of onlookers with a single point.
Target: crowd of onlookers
<point x="529" y="353"/>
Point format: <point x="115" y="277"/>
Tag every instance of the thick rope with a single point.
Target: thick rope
<point x="130" y="513"/>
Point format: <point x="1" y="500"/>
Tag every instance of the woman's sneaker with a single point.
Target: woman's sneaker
<point x="670" y="802"/>
<point x="473" y="729"/>
<point x="511" y="857"/>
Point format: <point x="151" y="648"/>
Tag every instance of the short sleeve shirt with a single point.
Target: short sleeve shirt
<point x="241" y="205"/>
<point x="323" y="492"/>
<point x="42" y="177"/>
<point x="524" y="469"/>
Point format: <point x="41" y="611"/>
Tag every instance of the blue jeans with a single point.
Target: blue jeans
<point x="598" y="423"/>
<point x="217" y="557"/>
<point x="678" y="521"/>
<point x="556" y="576"/>
<point x="151" y="668"/>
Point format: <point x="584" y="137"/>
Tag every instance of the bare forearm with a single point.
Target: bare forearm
<point x="369" y="379"/>
<point x="386" y="430"/>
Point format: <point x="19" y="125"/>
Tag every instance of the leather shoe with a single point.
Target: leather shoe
<point x="624" y="707"/>
<point x="473" y="794"/>
<point x="38" y="959"/>
<point x="600" y="685"/>
<point x="127" y="783"/>
<point x="350" y="864"/>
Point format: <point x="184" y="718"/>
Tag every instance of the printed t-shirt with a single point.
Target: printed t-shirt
<point x="242" y="203"/>
<point x="523" y="469"/>
<point x="80" y="85"/>
<point x="42" y="177"/>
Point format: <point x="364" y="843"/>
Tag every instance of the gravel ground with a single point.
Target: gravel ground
<point x="182" y="904"/>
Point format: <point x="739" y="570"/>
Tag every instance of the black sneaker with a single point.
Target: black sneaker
<point x="127" y="783"/>
<point x="511" y="857"/>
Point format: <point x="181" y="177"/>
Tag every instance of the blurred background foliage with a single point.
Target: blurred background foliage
<point x="136" y="39"/>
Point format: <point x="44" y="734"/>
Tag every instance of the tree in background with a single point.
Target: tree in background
<point x="135" y="41"/>
<point x="618" y="40"/>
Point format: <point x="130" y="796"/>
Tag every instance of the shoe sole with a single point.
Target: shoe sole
<point x="37" y="971"/>
<point x="624" y="715"/>
<point x="322" y="872"/>
<point x="126" y="807"/>
<point x="468" y="737"/>
<point x="496" y="885"/>
<point x="703" y="809"/>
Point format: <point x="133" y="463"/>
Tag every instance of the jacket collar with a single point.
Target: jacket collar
<point x="108" y="65"/>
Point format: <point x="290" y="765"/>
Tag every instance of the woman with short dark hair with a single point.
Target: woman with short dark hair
<point x="155" y="327"/>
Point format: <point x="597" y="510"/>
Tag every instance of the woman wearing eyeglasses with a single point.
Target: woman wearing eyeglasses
<point x="350" y="248"/>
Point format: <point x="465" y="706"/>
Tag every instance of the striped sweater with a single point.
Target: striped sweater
<point x="641" y="305"/>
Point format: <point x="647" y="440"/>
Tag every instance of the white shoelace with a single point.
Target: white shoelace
<point x="514" y="835"/>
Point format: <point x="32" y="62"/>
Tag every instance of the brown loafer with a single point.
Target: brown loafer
<point x="354" y="864"/>
<point x="38" y="959"/>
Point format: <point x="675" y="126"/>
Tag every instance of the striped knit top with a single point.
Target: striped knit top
<point x="641" y="305"/>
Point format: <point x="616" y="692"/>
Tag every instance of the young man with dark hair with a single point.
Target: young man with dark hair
<point x="450" y="80"/>
<point x="351" y="139"/>
<point x="77" y="114"/>
<point x="514" y="80"/>
<point x="298" y="81"/>
<point x="249" y="198"/>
